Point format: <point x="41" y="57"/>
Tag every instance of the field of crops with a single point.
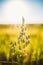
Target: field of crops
<point x="13" y="53"/>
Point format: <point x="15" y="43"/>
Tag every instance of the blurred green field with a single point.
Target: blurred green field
<point x="32" y="52"/>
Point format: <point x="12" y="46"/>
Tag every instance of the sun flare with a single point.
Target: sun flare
<point x="14" y="10"/>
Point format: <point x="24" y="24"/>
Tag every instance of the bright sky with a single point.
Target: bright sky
<point x="11" y="11"/>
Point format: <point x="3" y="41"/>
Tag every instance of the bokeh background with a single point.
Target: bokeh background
<point x="11" y="54"/>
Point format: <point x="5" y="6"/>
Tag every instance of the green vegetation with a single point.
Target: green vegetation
<point x="10" y="50"/>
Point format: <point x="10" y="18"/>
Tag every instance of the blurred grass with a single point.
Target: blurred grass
<point x="34" y="50"/>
